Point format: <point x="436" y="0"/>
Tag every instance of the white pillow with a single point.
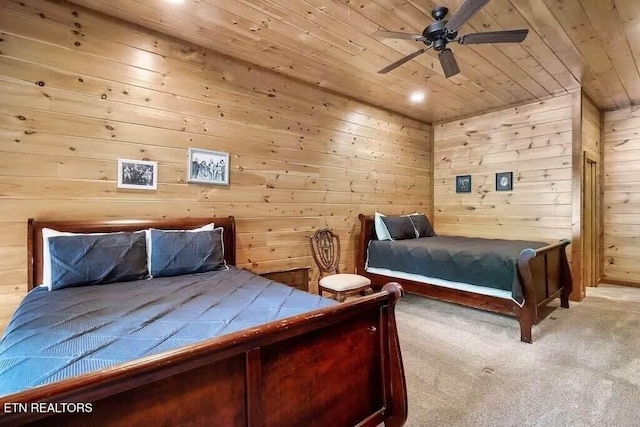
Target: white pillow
<point x="381" y="229"/>
<point x="47" y="233"/>
<point x="207" y="227"/>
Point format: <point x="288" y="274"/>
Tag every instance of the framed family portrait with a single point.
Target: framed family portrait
<point x="137" y="174"/>
<point x="208" y="167"/>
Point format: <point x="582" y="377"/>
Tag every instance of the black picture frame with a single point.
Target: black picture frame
<point x="504" y="181"/>
<point x="463" y="183"/>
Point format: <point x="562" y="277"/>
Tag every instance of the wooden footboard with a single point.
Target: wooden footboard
<point x="337" y="366"/>
<point x="544" y="274"/>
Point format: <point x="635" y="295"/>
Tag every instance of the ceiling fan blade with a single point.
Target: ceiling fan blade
<point x="511" y="36"/>
<point x="396" y="35"/>
<point x="398" y="63"/>
<point x="464" y="13"/>
<point x="449" y="63"/>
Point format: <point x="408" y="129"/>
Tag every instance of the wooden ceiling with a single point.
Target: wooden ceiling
<point x="593" y="43"/>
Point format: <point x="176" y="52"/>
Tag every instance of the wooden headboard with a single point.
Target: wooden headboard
<point x="34" y="235"/>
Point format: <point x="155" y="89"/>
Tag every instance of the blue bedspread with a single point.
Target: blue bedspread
<point x="491" y="263"/>
<point x="64" y="333"/>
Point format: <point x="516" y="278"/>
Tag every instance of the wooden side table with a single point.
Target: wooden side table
<point x="296" y="277"/>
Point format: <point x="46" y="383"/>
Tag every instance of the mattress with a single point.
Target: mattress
<point x="466" y="287"/>
<point x="490" y="263"/>
<point x="59" y="334"/>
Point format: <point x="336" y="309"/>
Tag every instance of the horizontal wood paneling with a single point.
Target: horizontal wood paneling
<point x="622" y="195"/>
<point x="532" y="141"/>
<point x="591" y="44"/>
<point x="78" y="92"/>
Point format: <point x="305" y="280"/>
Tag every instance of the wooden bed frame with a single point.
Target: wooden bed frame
<point x="544" y="274"/>
<point x="339" y="365"/>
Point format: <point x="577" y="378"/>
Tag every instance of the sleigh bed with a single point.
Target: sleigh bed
<point x="319" y="365"/>
<point x="539" y="275"/>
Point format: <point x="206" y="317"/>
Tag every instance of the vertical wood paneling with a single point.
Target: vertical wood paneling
<point x="592" y="146"/>
<point x="578" y="292"/>
<point x="622" y="195"/>
<point x="534" y="141"/>
<point x="591" y="138"/>
<point x="77" y="91"/>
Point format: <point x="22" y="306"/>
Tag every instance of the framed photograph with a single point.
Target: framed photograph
<point x="137" y="174"/>
<point x="463" y="184"/>
<point x="504" y="181"/>
<point x="208" y="167"/>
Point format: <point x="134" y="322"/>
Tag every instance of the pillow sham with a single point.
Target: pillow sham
<point x="46" y="255"/>
<point x="174" y="253"/>
<point x="422" y="225"/>
<point x="399" y="227"/>
<point x="97" y="259"/>
<point x="381" y="230"/>
<point x="207" y="227"/>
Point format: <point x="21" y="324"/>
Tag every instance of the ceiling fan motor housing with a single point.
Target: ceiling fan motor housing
<point x="436" y="33"/>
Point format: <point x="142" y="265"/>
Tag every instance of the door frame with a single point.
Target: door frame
<point x="587" y="158"/>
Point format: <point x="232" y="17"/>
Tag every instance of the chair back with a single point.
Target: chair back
<point x="325" y="248"/>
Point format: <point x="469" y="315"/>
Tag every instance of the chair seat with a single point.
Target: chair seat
<point x="344" y="282"/>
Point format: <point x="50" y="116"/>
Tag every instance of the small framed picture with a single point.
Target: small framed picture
<point x="137" y="174"/>
<point x="463" y="184"/>
<point x="504" y="181"/>
<point x="208" y="167"/>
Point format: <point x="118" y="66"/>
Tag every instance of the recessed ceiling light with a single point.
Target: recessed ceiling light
<point x="416" y="97"/>
<point x="176" y="1"/>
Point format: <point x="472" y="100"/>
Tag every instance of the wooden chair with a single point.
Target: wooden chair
<point x="325" y="247"/>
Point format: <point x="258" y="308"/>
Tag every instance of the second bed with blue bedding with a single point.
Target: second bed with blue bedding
<point x="61" y="334"/>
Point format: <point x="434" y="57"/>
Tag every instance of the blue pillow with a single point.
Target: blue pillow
<point x="399" y="227"/>
<point x="97" y="259"/>
<point x="174" y="253"/>
<point x="423" y="225"/>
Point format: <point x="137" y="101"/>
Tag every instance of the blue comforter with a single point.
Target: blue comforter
<point x="64" y="333"/>
<point x="491" y="263"/>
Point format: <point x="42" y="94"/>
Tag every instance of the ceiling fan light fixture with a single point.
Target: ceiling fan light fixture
<point x="417" y="97"/>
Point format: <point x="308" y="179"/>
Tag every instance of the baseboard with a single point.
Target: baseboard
<point x="611" y="281"/>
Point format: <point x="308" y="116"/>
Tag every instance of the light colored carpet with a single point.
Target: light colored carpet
<point x="466" y="367"/>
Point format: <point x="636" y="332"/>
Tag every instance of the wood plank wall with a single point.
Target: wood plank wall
<point x="591" y="138"/>
<point x="534" y="141"/>
<point x="621" y="138"/>
<point x="79" y="90"/>
<point x="592" y="146"/>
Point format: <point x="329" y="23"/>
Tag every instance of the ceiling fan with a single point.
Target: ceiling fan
<point x="438" y="34"/>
